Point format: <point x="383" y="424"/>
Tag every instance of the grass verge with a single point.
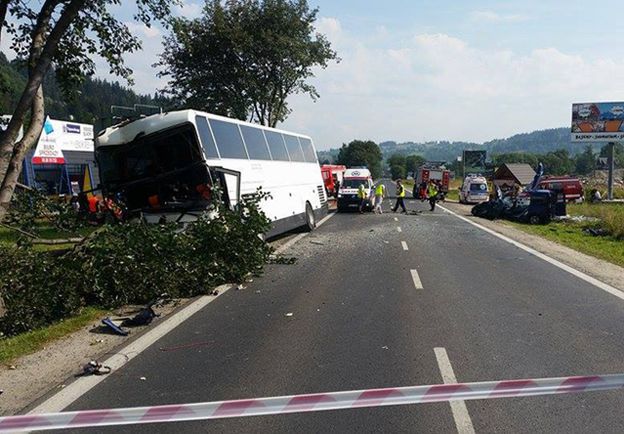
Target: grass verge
<point x="570" y="234"/>
<point x="30" y="342"/>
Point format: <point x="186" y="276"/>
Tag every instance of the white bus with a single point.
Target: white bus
<point x="164" y="165"/>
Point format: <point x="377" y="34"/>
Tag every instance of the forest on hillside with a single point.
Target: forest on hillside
<point x="90" y="103"/>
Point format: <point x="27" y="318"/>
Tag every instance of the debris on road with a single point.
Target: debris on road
<point x="289" y="314"/>
<point x="96" y="342"/>
<point x="94" y="368"/>
<point x="385" y="347"/>
<point x="282" y="260"/>
<point x="143" y="378"/>
<point x="12" y="368"/>
<point x="239" y="287"/>
<point x="114" y="327"/>
<point x="215" y="292"/>
<point x="318" y="243"/>
<point x="143" y="318"/>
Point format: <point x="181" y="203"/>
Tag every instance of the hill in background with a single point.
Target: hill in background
<point x="91" y="103"/>
<point x="537" y="142"/>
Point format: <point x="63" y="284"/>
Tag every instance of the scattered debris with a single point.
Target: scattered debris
<point x="142" y="378"/>
<point x="94" y="368"/>
<point x="1" y="392"/>
<point x="289" y="314"/>
<point x="215" y="292"/>
<point x="318" y="243"/>
<point x="114" y="327"/>
<point x="280" y="259"/>
<point x="596" y="232"/>
<point x="12" y="368"/>
<point x="143" y="318"/>
<point x="258" y="291"/>
<point x="96" y="342"/>
<point x="385" y="347"/>
<point x="239" y="287"/>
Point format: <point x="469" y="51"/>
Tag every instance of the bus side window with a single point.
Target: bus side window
<point x="210" y="149"/>
<point x="308" y="150"/>
<point x="276" y="145"/>
<point x="294" y="148"/>
<point x="229" y="139"/>
<point x="256" y="143"/>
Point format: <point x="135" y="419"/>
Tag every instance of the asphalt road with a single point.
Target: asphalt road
<point x="359" y="322"/>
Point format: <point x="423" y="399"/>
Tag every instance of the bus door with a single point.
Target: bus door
<point x="229" y="181"/>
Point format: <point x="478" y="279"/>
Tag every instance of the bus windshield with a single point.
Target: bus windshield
<point x="163" y="170"/>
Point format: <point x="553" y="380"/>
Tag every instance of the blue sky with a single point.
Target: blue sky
<point x="445" y="70"/>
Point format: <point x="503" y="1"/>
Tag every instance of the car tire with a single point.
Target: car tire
<point x="310" y="218"/>
<point x="535" y="220"/>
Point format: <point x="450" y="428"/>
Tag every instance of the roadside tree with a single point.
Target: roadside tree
<point x="413" y="162"/>
<point x="361" y="153"/>
<point x="65" y="35"/>
<point x="397" y="172"/>
<point x="244" y="58"/>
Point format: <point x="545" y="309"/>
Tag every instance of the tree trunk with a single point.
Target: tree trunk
<point x="4" y="5"/>
<point x="19" y="152"/>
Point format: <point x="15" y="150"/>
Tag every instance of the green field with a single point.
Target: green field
<point x="571" y="233"/>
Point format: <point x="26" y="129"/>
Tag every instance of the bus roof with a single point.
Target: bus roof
<point x="127" y="132"/>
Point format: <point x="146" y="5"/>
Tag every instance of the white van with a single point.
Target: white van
<point x="348" y="192"/>
<point x="474" y="190"/>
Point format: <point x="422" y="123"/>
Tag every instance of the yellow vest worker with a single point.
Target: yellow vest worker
<point x="400" y="189"/>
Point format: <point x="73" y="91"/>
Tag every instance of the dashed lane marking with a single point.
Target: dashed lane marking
<point x="416" y="279"/>
<point x="404" y="244"/>
<point x="458" y="408"/>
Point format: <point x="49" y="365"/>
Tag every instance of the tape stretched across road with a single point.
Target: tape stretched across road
<point x="310" y="403"/>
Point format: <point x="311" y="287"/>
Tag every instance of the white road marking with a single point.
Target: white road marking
<point x="399" y="229"/>
<point x="65" y="397"/>
<point x="458" y="408"/>
<point x="404" y="244"/>
<point x="605" y="287"/>
<point x="82" y="385"/>
<point x="416" y="279"/>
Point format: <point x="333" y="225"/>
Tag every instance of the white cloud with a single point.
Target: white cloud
<point x="436" y="86"/>
<point x="494" y="17"/>
<point x="142" y="30"/>
<point x="188" y="9"/>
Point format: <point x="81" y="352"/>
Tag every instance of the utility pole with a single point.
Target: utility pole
<point x="611" y="163"/>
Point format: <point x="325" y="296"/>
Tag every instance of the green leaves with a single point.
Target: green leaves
<point x="132" y="263"/>
<point x="244" y="58"/>
<point x="361" y="153"/>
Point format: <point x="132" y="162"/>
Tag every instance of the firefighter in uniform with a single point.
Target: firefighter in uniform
<point x="400" y="192"/>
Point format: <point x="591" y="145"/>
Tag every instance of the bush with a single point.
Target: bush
<point x="132" y="263"/>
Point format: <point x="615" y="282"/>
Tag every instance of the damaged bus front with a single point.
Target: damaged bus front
<point x="157" y="169"/>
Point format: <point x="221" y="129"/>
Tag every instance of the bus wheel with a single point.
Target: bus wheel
<point x="309" y="217"/>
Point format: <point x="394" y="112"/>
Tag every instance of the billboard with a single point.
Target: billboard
<point x="58" y="136"/>
<point x="474" y="162"/>
<point x="598" y="122"/>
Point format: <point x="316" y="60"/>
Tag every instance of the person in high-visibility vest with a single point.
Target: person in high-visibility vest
<point x="432" y="193"/>
<point x="362" y="196"/>
<point x="380" y="193"/>
<point x="400" y="192"/>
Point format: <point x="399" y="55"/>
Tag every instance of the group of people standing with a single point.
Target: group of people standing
<point x="378" y="193"/>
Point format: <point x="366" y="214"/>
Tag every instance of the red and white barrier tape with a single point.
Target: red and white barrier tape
<point x="313" y="402"/>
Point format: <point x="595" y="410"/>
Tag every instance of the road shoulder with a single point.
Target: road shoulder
<point x="604" y="271"/>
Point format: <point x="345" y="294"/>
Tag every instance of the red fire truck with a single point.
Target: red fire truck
<point x="429" y="171"/>
<point x="332" y="174"/>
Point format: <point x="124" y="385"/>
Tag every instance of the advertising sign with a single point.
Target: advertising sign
<point x="598" y="122"/>
<point x="474" y="162"/>
<point x="58" y="136"/>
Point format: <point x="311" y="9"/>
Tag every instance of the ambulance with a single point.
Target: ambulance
<point x="348" y="192"/>
<point x="474" y="190"/>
